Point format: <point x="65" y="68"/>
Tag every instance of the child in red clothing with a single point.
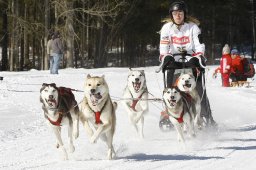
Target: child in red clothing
<point x="237" y="68"/>
<point x="225" y="66"/>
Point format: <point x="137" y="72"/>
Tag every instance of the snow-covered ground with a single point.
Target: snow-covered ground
<point x="26" y="142"/>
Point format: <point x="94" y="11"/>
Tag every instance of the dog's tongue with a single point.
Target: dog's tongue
<point x="136" y="86"/>
<point x="186" y="87"/>
<point x="95" y="98"/>
<point x="52" y="102"/>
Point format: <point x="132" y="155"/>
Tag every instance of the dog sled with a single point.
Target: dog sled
<point x="241" y="79"/>
<point x="182" y="65"/>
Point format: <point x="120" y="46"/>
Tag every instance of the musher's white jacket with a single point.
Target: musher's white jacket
<point x="173" y="40"/>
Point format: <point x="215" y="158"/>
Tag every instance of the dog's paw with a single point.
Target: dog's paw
<point x="111" y="154"/>
<point x="64" y="155"/>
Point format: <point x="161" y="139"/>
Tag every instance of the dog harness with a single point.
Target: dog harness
<point x="97" y="114"/>
<point x="62" y="107"/>
<point x="179" y="119"/>
<point x="58" y="121"/>
<point x="135" y="101"/>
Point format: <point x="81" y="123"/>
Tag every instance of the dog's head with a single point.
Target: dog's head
<point x="96" y="89"/>
<point x="186" y="82"/>
<point x="171" y="96"/>
<point x="49" y="95"/>
<point x="136" y="80"/>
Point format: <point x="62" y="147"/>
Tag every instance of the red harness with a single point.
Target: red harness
<point x="58" y="121"/>
<point x="97" y="117"/>
<point x="134" y="103"/>
<point x="180" y="119"/>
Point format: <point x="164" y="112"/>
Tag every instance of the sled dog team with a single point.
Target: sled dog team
<point x="97" y="111"/>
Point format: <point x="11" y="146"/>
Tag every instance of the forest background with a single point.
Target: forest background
<point x="114" y="33"/>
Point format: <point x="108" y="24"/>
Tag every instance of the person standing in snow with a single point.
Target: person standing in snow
<point x="181" y="35"/>
<point x="57" y="52"/>
<point x="225" y="66"/>
<point x="49" y="52"/>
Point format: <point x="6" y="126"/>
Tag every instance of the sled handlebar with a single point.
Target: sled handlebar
<point x="183" y="57"/>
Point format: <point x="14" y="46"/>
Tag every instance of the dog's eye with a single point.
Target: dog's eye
<point x="98" y="84"/>
<point x="46" y="90"/>
<point x="140" y="74"/>
<point x="168" y="92"/>
<point x="175" y="91"/>
<point x="89" y="85"/>
<point x="132" y="74"/>
<point x="54" y="90"/>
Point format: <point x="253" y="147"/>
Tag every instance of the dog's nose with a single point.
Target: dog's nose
<point x="137" y="79"/>
<point x="186" y="81"/>
<point x="50" y="96"/>
<point x="172" y="97"/>
<point x="93" y="91"/>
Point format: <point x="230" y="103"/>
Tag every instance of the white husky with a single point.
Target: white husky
<point x="136" y="95"/>
<point x="60" y="108"/>
<point x="186" y="83"/>
<point x="179" y="111"/>
<point x="97" y="112"/>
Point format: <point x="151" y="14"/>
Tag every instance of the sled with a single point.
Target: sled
<point x="240" y="84"/>
<point x="164" y="122"/>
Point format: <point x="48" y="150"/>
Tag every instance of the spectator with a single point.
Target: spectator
<point x="225" y="66"/>
<point x="57" y="52"/>
<point x="49" y="52"/>
<point x="246" y="67"/>
<point x="237" y="68"/>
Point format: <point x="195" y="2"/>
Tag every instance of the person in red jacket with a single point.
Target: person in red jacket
<point x="225" y="66"/>
<point x="237" y="68"/>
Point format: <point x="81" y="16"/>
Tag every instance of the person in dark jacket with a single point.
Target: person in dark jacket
<point x="57" y="52"/>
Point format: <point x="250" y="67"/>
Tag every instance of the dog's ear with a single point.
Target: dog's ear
<point x="130" y="68"/>
<point x="88" y="76"/>
<point x="103" y="76"/>
<point x="165" y="90"/>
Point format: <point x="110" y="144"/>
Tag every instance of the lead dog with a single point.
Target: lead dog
<point x="136" y="95"/>
<point x="97" y="112"/>
<point x="186" y="83"/>
<point x="180" y="112"/>
<point x="60" y="108"/>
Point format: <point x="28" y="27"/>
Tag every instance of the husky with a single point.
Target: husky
<point x="60" y="108"/>
<point x="97" y="112"/>
<point x="186" y="83"/>
<point x="180" y="112"/>
<point x="135" y="103"/>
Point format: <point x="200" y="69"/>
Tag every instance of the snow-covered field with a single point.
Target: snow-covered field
<point x="26" y="142"/>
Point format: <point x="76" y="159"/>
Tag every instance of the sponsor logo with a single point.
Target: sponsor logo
<point x="180" y="40"/>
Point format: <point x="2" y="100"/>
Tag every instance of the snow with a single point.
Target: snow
<point x="26" y="142"/>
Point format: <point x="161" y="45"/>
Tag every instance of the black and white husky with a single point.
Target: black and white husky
<point x="180" y="112"/>
<point x="187" y="83"/>
<point x="60" y="108"/>
<point x="136" y="95"/>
